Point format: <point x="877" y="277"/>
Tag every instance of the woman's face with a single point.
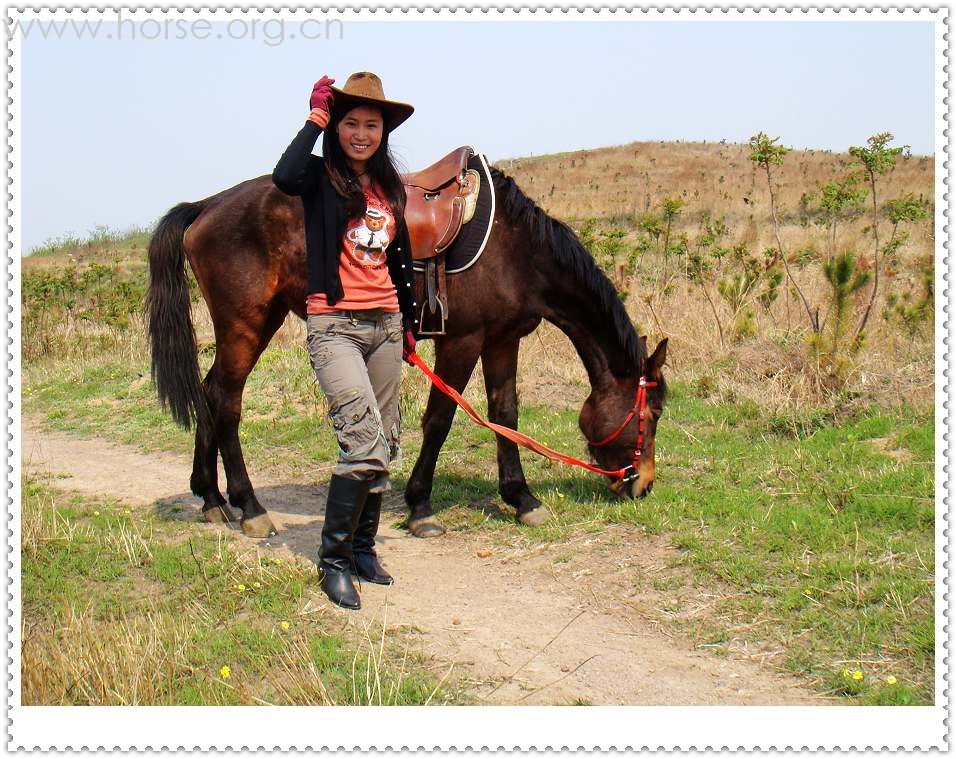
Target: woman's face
<point x="360" y="133"/>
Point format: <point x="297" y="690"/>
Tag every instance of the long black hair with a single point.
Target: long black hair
<point x="381" y="168"/>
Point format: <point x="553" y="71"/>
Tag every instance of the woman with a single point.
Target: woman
<point x="360" y="307"/>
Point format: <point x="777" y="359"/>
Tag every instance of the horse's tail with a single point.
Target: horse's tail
<point x="175" y="363"/>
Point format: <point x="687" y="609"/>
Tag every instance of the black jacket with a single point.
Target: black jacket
<point x="301" y="173"/>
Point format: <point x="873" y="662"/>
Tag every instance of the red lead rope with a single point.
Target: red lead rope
<point x="627" y="473"/>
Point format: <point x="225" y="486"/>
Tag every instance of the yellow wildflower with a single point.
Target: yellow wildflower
<point x="846" y="672"/>
<point x="284" y="625"/>
<point x="857" y="675"/>
<point x="256" y="585"/>
<point x="96" y="513"/>
<point x="224" y="672"/>
<point x="240" y="587"/>
<point x="891" y="680"/>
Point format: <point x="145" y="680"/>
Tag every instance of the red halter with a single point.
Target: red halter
<point x="639" y="408"/>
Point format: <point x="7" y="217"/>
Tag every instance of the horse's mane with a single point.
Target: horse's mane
<point x="572" y="256"/>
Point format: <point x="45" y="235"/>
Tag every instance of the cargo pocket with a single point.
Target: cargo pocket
<point x="354" y="421"/>
<point x="319" y="350"/>
<point x="393" y="327"/>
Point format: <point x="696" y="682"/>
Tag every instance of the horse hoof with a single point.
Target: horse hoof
<point x="259" y="526"/>
<point x="219" y="515"/>
<point x="429" y="527"/>
<point x="536" y="516"/>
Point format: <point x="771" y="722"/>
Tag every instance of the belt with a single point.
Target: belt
<point x="367" y="314"/>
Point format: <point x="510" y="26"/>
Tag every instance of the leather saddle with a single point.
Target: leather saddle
<point x="440" y="199"/>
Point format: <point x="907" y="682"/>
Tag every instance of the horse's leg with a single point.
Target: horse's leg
<point x="236" y="355"/>
<point x="455" y="360"/>
<point x="499" y="364"/>
<point x="204" y="481"/>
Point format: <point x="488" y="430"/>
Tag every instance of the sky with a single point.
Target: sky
<point x="116" y="131"/>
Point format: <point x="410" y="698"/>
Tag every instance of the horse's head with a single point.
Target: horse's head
<point x="611" y="423"/>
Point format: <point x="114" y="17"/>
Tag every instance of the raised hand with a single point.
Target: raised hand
<point x="322" y="95"/>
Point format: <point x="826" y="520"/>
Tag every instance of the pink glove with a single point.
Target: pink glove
<point x="322" y="95"/>
<point x="408" y="345"/>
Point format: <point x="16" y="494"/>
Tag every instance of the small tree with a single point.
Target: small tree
<point x="636" y="254"/>
<point x="739" y="289"/>
<point x="771" y="290"/>
<point x="651" y="225"/>
<point x="766" y="154"/>
<point x="914" y="308"/>
<point x="609" y="247"/>
<point x="704" y="262"/>
<point x="903" y="210"/>
<point x="670" y="210"/>
<point x="840" y="200"/>
<point x="588" y="235"/>
<point x="876" y="160"/>
<point x="680" y="248"/>
<point x="845" y="281"/>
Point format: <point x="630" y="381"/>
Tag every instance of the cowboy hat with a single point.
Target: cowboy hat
<point x="365" y="88"/>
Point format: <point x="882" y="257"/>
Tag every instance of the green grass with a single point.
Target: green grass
<point x="101" y="241"/>
<point x="122" y="606"/>
<point x="819" y="537"/>
<point x="813" y="529"/>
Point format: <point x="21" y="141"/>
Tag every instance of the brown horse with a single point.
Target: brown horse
<point x="246" y="247"/>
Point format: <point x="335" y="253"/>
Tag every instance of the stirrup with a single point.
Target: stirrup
<point x="441" y="314"/>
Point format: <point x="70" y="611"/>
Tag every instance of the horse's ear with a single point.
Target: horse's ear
<point x="656" y="361"/>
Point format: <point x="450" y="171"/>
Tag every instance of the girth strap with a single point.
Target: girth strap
<point x="435" y="303"/>
<point x="431" y="284"/>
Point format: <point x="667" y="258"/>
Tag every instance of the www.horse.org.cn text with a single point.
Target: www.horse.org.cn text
<point x="270" y="31"/>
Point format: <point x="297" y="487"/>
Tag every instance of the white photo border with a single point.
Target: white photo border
<point x="480" y="728"/>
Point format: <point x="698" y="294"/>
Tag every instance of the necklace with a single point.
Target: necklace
<point x="355" y="180"/>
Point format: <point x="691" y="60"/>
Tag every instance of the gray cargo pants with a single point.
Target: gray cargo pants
<point x="357" y="359"/>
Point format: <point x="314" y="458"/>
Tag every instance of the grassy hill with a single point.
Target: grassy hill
<point x="622" y="182"/>
<point x="648" y="211"/>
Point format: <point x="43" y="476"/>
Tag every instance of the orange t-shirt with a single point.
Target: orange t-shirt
<point x="363" y="267"/>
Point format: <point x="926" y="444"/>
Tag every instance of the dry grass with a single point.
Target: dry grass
<point x="773" y="368"/>
<point x="625" y="181"/>
<point x="124" y="608"/>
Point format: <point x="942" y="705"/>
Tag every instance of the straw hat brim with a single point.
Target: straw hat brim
<point x="394" y="112"/>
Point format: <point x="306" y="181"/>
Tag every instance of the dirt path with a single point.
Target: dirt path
<point x="544" y="625"/>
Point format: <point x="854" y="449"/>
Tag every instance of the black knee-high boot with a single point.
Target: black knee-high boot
<point x="342" y="511"/>
<point x="364" y="561"/>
